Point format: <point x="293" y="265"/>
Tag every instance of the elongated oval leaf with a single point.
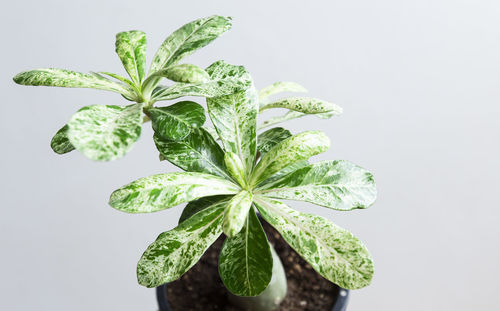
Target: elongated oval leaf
<point x="235" y="168"/>
<point x="245" y="262"/>
<point x="332" y="251"/>
<point x="60" y="142"/>
<point x="305" y="105"/>
<point x="200" y="204"/>
<point x="279" y="87"/>
<point x="186" y="73"/>
<point x="284" y="171"/>
<point x="162" y="191"/>
<point x="105" y="133"/>
<point x="131" y="48"/>
<point x="187" y="39"/>
<point x="198" y="152"/>
<point x="340" y="185"/>
<point x="236" y="213"/>
<point x="290" y="115"/>
<point x="293" y="149"/>
<point x="176" y="121"/>
<point x="174" y="252"/>
<point x="270" y="138"/>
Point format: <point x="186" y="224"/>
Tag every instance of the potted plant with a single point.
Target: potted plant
<point x="234" y="174"/>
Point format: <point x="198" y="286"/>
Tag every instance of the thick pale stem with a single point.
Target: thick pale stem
<point x="270" y="298"/>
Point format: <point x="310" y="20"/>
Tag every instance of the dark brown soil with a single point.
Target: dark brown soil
<point x="201" y="289"/>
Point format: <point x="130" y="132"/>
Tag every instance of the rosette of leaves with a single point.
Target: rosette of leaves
<point x="107" y="132"/>
<point x="227" y="184"/>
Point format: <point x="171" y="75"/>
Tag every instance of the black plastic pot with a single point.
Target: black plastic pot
<point x="161" y="296"/>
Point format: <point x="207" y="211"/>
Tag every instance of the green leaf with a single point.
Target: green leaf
<point x="245" y="261"/>
<point x="235" y="168"/>
<point x="105" y="133"/>
<point x="293" y="149"/>
<point x="270" y="138"/>
<point x="340" y="185"/>
<point x="131" y="48"/>
<point x="279" y="87"/>
<point x="198" y="152"/>
<point x="332" y="251"/>
<point x="176" y="121"/>
<point x="174" y="252"/>
<point x="185" y="73"/>
<point x="305" y="105"/>
<point x="68" y="78"/>
<point x="285" y="171"/>
<point x="187" y="39"/>
<point x="236" y="212"/>
<point x="162" y="191"/>
<point x="60" y="142"/>
<point x="195" y="206"/>
<point x="290" y="115"/>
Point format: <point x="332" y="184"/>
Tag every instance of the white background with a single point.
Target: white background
<point x="419" y="82"/>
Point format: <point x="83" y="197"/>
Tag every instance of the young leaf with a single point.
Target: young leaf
<point x="176" y="121"/>
<point x="131" y="48"/>
<point x="174" y="252"/>
<point x="105" y="133"/>
<point x="279" y="87"/>
<point x="245" y="261"/>
<point x="187" y="39"/>
<point x="68" y="78"/>
<point x="236" y="212"/>
<point x="293" y="149"/>
<point x="200" y="204"/>
<point x="198" y="152"/>
<point x="162" y="191"/>
<point x="60" y="142"/>
<point x="235" y="168"/>
<point x="332" y="251"/>
<point x="185" y="73"/>
<point x="340" y="185"/>
<point x="305" y="105"/>
<point x="284" y="171"/>
<point x="270" y="138"/>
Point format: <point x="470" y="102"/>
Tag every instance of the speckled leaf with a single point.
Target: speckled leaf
<point x="235" y="168"/>
<point x="131" y="48"/>
<point x="162" y="191"/>
<point x="305" y="105"/>
<point x="105" y="133"/>
<point x="340" y="185"/>
<point x="245" y="261"/>
<point x="236" y="213"/>
<point x="60" y="142"/>
<point x="186" y="73"/>
<point x="68" y="78"/>
<point x="285" y="171"/>
<point x="176" y="121"/>
<point x="270" y="138"/>
<point x="198" y="152"/>
<point x="332" y="251"/>
<point x="174" y="252"/>
<point x="200" y="204"/>
<point x="290" y="115"/>
<point x="279" y="87"/>
<point x="187" y="39"/>
<point x="293" y="149"/>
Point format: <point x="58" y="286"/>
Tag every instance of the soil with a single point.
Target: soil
<point x="201" y="289"/>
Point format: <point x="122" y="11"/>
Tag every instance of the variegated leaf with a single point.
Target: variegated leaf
<point x="290" y="115"/>
<point x="340" y="185"/>
<point x="105" y="133"/>
<point x="198" y="152"/>
<point x="186" y="73"/>
<point x="245" y="261"/>
<point x="176" y="121"/>
<point x="60" y="142"/>
<point x="68" y="78"/>
<point x="270" y="138"/>
<point x="305" y="105"/>
<point x="187" y="39"/>
<point x="332" y="251"/>
<point x="236" y="213"/>
<point x="131" y="48"/>
<point x="280" y="87"/>
<point x="293" y="149"/>
<point x="174" y="252"/>
<point x="285" y="171"/>
<point x="235" y="168"/>
<point x="200" y="204"/>
<point x="162" y="191"/>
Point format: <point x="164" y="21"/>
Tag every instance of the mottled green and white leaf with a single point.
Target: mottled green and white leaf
<point x="131" y="48"/>
<point x="270" y="138"/>
<point x="176" y="121"/>
<point x="280" y="87"/>
<point x="305" y="105"/>
<point x="235" y="168"/>
<point x="60" y="142"/>
<point x="186" y="73"/>
<point x="200" y="204"/>
<point x="290" y="115"/>
<point x="285" y="171"/>
<point x="236" y="213"/>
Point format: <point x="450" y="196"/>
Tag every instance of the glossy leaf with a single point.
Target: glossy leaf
<point x="332" y="251"/>
<point x="280" y="87"/>
<point x="245" y="261"/>
<point x="270" y="138"/>
<point x="174" y="252"/>
<point x="200" y="204"/>
<point x="131" y="48"/>
<point x="284" y="171"/>
<point x="235" y="168"/>
<point x="198" y="152"/>
<point x="236" y="213"/>
<point x="186" y="73"/>
<point x="293" y="149"/>
<point x="105" y="133"/>
<point x="305" y="105"/>
<point x="162" y="191"/>
<point x="290" y="115"/>
<point x="60" y="142"/>
<point x="176" y="121"/>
